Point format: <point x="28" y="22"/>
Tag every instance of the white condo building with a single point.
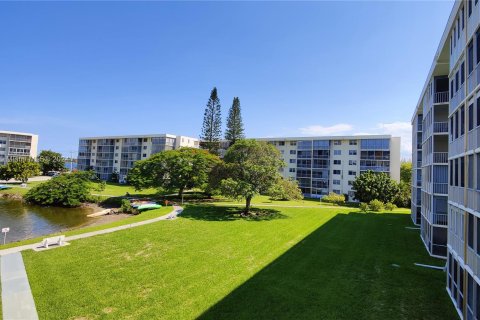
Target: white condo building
<point x="17" y="145"/>
<point x="109" y="154"/>
<point x="446" y="157"/>
<point x="330" y="164"/>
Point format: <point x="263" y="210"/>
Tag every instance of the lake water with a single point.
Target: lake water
<point x="27" y="221"/>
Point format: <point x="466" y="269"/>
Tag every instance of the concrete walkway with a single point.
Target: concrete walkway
<point x="17" y="299"/>
<point x="172" y="215"/>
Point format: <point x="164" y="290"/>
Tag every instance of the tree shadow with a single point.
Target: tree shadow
<point x="229" y="213"/>
<point x="355" y="266"/>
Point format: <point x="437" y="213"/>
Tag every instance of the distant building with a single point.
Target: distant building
<point x="109" y="154"/>
<point x="17" y="145"/>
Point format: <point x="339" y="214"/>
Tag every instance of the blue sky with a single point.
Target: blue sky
<point x="300" y="68"/>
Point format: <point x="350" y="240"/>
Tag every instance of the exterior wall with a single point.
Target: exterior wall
<point x="16" y="145"/>
<point x="110" y="154"/>
<point x="330" y="164"/>
<point x="417" y="168"/>
<point x="458" y="57"/>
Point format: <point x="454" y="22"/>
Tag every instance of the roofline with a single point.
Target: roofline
<point x="19" y="133"/>
<point x="155" y="135"/>
<point x="353" y="137"/>
<point x="442" y="43"/>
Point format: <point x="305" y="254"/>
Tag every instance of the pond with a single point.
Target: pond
<point x="29" y="221"/>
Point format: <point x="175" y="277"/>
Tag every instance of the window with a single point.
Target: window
<point x="462" y="120"/>
<point x="454" y="38"/>
<point x="478" y="171"/>
<point x="462" y="171"/>
<point x="337" y="142"/>
<point x="144" y="147"/>
<point x="462" y="73"/>
<point x="451" y="128"/>
<point x="456" y="172"/>
<point x="451" y="172"/>
<point x="281" y="143"/>
<point x="336" y="182"/>
<point x="470" y="57"/>
<point x="291" y="170"/>
<point x="144" y="155"/>
<point x="337" y="152"/>
<point x="116" y="161"/>
<point x="458" y="27"/>
<point x="352" y="152"/>
<point x="470" y="170"/>
<point x="352" y="142"/>
<point x="451" y="89"/>
<point x="336" y="191"/>
<point x="337" y="171"/>
<point x="352" y="162"/>
<point x="116" y="147"/>
<point x="337" y="161"/>
<point x="470" y="7"/>
<point x="478" y="244"/>
<point x="457" y="80"/>
<point x="352" y="173"/>
<point x="463" y="17"/>
<point x="456" y="124"/>
<point x="470" y="230"/>
<point x="146" y="139"/>
<point x="477" y="36"/>
<point x="293" y="151"/>
<point x="116" y="154"/>
<point x="293" y="143"/>
<point x="478" y="112"/>
<point x="350" y="182"/>
<point x="293" y="160"/>
<point x="470" y="117"/>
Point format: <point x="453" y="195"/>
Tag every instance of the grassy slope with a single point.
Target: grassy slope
<point x="310" y="264"/>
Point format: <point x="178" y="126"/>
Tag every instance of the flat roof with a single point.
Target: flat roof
<point x="354" y="137"/>
<point x="154" y="135"/>
<point x="19" y="133"/>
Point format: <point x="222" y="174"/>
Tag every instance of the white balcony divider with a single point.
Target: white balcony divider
<point x="441" y="97"/>
<point x="440" y="219"/>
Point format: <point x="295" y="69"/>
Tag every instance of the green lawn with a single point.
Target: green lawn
<point x="308" y="263"/>
<point x="266" y="201"/>
<point x="115" y="189"/>
<point x="16" y="189"/>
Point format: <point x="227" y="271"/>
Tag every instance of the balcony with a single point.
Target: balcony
<point x="441" y="97"/>
<point x="440" y="219"/>
<point x="440" y="127"/>
<point x="440" y="157"/>
<point x="440" y="188"/>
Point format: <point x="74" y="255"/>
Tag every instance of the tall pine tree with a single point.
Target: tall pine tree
<point x="212" y="124"/>
<point x="234" y="129"/>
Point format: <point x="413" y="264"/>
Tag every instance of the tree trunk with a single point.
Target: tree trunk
<point x="247" y="206"/>
<point x="180" y="194"/>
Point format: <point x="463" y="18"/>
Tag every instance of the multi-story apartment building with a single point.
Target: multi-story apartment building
<point x="109" y="154"/>
<point x="17" y="145"/>
<point x="330" y="164"/>
<point x="457" y="59"/>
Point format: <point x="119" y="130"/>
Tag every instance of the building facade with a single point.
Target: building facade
<point x="330" y="164"/>
<point x="450" y="184"/>
<point x="17" y="145"/>
<point x="109" y="154"/>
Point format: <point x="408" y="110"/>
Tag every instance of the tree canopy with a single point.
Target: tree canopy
<point x="406" y="172"/>
<point x="251" y="168"/>
<point x="234" y="130"/>
<point x="375" y="186"/>
<point x="212" y="124"/>
<point x="20" y="169"/>
<point x="173" y="170"/>
<point x="50" y="161"/>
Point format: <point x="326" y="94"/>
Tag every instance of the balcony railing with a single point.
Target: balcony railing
<point x="440" y="219"/>
<point x="441" y="188"/>
<point x="441" y="97"/>
<point x="440" y="157"/>
<point x="440" y="127"/>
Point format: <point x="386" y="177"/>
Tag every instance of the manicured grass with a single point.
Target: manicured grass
<point x="265" y="200"/>
<point x="301" y="263"/>
<point x="115" y="189"/>
<point x="146" y="215"/>
<point x="16" y="189"/>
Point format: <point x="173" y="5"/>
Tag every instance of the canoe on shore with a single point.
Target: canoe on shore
<point x="148" y="206"/>
<point x="4" y="187"/>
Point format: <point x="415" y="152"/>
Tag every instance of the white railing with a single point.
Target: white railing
<point x="441" y="188"/>
<point x="440" y="219"/>
<point x="441" y="97"/>
<point x="440" y="127"/>
<point x="440" y="157"/>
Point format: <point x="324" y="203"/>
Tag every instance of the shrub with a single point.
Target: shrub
<point x="285" y="189"/>
<point x="334" y="198"/>
<point x="126" y="207"/>
<point x="376" y="205"/>
<point x="390" y="206"/>
<point x="363" y="207"/>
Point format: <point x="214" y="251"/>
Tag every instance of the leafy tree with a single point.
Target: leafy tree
<point x="252" y="168"/>
<point x="406" y="172"/>
<point x="51" y="161"/>
<point x="404" y="197"/>
<point x="5" y="174"/>
<point x="68" y="190"/>
<point x="285" y="189"/>
<point x="234" y="129"/>
<point x="114" y="177"/>
<point x="173" y="170"/>
<point x="22" y="169"/>
<point x="212" y="124"/>
<point x="375" y="186"/>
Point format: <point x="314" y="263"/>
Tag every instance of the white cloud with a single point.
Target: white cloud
<point x="396" y="129"/>
<point x="317" y="130"/>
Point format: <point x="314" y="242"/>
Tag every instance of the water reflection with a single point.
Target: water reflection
<point x="27" y="221"/>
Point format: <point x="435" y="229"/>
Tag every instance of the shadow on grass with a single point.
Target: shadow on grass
<point x="356" y="266"/>
<point x="229" y="213"/>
